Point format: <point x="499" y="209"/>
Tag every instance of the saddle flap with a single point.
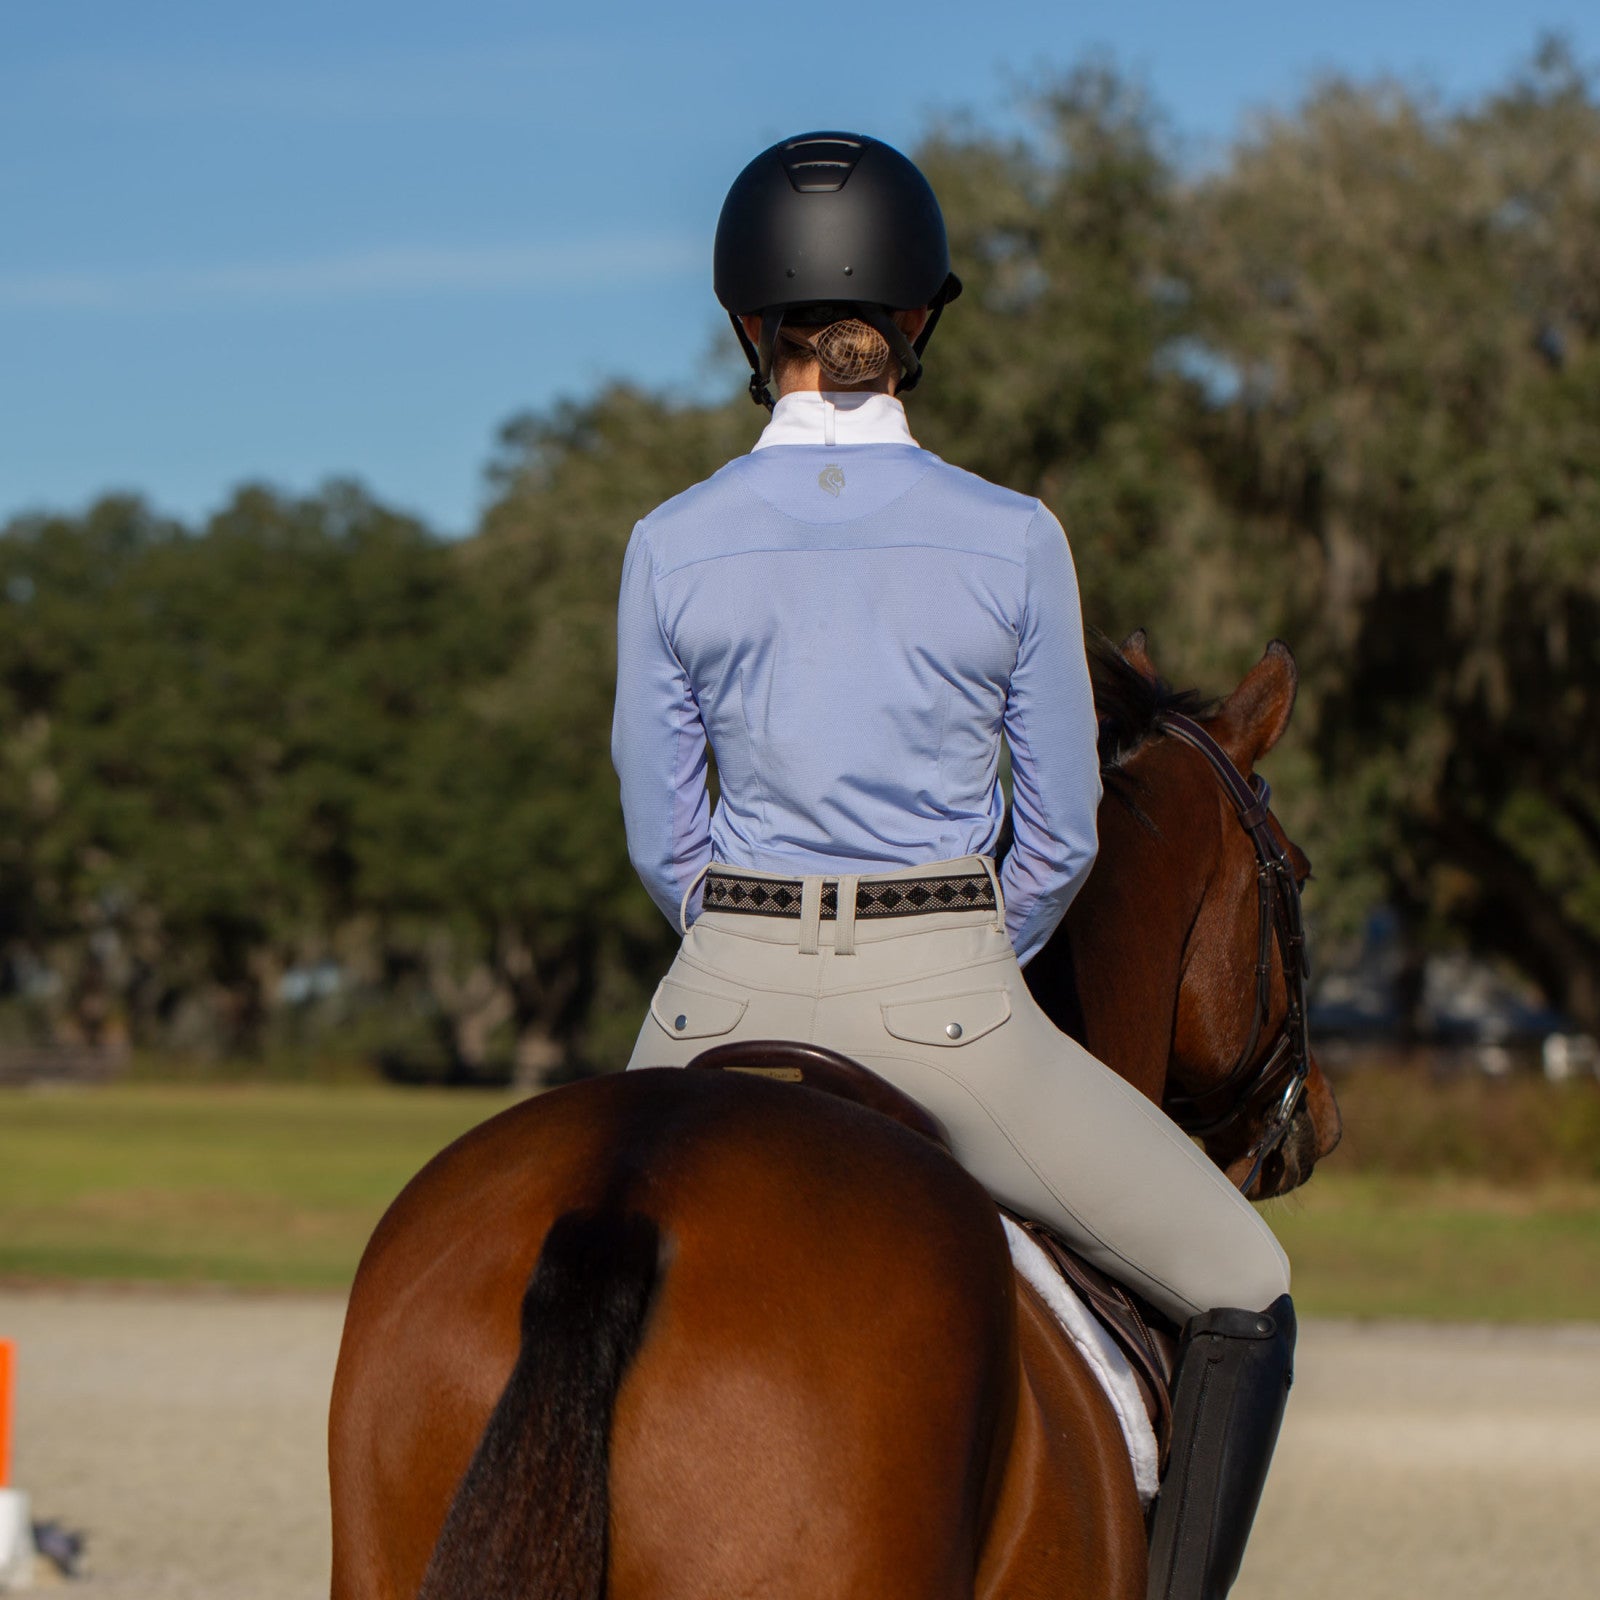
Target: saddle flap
<point x="687" y="1013"/>
<point x="1145" y="1338"/>
<point x="949" y="1021"/>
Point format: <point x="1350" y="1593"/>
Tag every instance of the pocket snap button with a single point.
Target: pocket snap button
<point x="952" y="1030"/>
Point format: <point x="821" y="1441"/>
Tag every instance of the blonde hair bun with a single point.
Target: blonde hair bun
<point x="852" y="351"/>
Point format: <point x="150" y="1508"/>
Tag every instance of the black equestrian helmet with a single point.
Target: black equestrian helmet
<point x="831" y="217"/>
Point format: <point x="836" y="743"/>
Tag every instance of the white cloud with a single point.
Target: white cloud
<point x="613" y="262"/>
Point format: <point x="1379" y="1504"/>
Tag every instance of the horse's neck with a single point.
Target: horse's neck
<point x="1111" y="974"/>
<point x="1128" y="1002"/>
<point x="1053" y="980"/>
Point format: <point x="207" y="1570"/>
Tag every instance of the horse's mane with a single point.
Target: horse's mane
<point x="1130" y="707"/>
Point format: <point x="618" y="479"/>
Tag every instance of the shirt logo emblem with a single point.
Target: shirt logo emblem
<point x="831" y="479"/>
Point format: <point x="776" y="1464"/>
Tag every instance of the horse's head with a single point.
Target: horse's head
<point x="1187" y="939"/>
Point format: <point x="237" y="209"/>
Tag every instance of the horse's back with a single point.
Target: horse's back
<point x="824" y="1369"/>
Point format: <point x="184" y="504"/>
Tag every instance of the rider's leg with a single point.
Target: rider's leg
<point x="1234" y="1373"/>
<point x="1047" y="1129"/>
<point x="1054" y="1132"/>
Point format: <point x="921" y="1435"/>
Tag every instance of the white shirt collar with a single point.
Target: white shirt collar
<point x="831" y="417"/>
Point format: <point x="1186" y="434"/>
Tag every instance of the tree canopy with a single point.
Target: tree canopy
<point x="1342" y="386"/>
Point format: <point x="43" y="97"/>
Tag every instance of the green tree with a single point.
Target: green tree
<point x="1344" y="387"/>
<point x="1059" y="373"/>
<point x="199" y="722"/>
<point x="65" y="607"/>
<point x="1407" y="299"/>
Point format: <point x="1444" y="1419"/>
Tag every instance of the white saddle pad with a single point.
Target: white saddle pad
<point x="1096" y="1346"/>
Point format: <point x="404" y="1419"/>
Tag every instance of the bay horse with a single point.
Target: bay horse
<point x="668" y="1334"/>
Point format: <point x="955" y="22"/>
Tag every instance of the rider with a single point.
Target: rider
<point x="853" y="626"/>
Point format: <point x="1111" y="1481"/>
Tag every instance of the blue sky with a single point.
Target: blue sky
<point x="351" y="238"/>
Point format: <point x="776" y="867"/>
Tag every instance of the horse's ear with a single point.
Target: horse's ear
<point x="1252" y="719"/>
<point x="1135" y="650"/>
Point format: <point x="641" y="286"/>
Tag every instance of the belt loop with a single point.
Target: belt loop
<point x="999" y="898"/>
<point x="688" y="894"/>
<point x="844" y="927"/>
<point x="810" y="916"/>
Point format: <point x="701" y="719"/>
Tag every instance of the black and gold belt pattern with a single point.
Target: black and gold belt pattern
<point x="879" y="897"/>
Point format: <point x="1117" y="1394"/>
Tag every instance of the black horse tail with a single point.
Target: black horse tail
<point x="530" y="1518"/>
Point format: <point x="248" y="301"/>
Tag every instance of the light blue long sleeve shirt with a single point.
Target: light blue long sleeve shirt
<point x="854" y="627"/>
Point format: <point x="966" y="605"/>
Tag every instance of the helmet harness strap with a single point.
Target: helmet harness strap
<point x="910" y="360"/>
<point x="771" y="326"/>
<point x="907" y="353"/>
<point x="760" y="356"/>
<point x="759" y="391"/>
<point x="947" y="292"/>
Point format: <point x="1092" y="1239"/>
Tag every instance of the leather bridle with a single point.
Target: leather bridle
<point x="1274" y="1087"/>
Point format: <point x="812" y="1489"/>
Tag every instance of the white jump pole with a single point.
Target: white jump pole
<point x="16" y="1526"/>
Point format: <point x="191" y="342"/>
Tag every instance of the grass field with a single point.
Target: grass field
<point x="1442" y="1249"/>
<point x="279" y="1187"/>
<point x="243" y="1185"/>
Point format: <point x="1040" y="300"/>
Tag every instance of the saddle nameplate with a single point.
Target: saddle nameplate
<point x="782" y="1074"/>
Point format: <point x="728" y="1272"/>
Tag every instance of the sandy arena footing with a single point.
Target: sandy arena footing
<point x="184" y="1434"/>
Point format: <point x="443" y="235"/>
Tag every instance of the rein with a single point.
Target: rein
<point x="1278" y="1083"/>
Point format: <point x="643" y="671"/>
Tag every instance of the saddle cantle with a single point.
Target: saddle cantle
<point x="790" y="1061"/>
<point x="1140" y="1332"/>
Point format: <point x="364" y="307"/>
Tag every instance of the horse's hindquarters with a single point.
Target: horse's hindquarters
<point x="1066" y="1518"/>
<point x="827" y="1373"/>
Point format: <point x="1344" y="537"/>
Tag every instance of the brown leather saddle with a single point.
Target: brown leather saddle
<point x="1145" y="1337"/>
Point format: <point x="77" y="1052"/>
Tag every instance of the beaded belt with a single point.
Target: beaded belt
<point x="877" y="897"/>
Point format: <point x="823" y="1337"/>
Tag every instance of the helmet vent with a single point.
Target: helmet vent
<point x="820" y="164"/>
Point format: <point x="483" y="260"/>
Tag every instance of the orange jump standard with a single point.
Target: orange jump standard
<point x="8" y="1367"/>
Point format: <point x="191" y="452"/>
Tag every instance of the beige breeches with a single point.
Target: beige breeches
<point x="938" y="1005"/>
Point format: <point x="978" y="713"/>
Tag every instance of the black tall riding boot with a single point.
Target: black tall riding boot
<point x="1234" y="1372"/>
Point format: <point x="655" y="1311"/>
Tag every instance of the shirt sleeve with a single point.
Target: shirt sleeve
<point x="658" y="743"/>
<point x="1051" y="729"/>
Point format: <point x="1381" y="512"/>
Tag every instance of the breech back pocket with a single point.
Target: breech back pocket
<point x="949" y="1021"/>
<point x="686" y="1013"/>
